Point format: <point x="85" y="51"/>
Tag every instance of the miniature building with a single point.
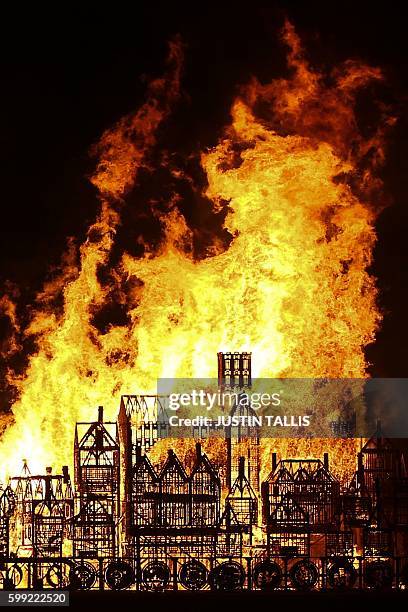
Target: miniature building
<point x="145" y="503"/>
<point x="97" y="471"/>
<point x="205" y="492"/>
<point x="381" y="462"/>
<point x="52" y="514"/>
<point x="173" y="512"/>
<point x="288" y="529"/>
<point x="234" y="374"/>
<point x="229" y="537"/>
<point x="357" y="504"/>
<point x="243" y="501"/>
<point x="134" y="523"/>
<point x="234" y="371"/>
<point x="174" y="493"/>
<point x="138" y="432"/>
<point x="308" y="483"/>
<point x="382" y="479"/>
<point x="44" y="508"/>
<point x="7" y="506"/>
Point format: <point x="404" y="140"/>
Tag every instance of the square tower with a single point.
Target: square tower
<point x="234" y="370"/>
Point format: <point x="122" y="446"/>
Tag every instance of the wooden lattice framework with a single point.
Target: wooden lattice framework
<point x="44" y="510"/>
<point x="97" y="479"/>
<point x="243" y="500"/>
<point x="310" y="484"/>
<point x="7" y="507"/>
<point x="234" y="374"/>
<point x="173" y="512"/>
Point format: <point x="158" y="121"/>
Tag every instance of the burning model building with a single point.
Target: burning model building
<point x="129" y="523"/>
<point x="286" y="272"/>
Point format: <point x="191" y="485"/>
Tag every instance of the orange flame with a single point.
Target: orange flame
<point x="69" y="374"/>
<point x="298" y="181"/>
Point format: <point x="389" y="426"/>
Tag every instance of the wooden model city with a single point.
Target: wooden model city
<point x="127" y="523"/>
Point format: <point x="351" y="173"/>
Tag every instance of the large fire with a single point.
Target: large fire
<point x="292" y="287"/>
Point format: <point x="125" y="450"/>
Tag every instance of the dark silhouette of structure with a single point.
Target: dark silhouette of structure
<point x="132" y="523"/>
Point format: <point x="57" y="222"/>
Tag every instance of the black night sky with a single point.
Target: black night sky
<point x="68" y="75"/>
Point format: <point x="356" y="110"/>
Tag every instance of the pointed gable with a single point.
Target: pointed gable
<point x="377" y="443"/>
<point x="202" y="464"/>
<point x="323" y="475"/>
<point x="241" y="488"/>
<point x="143" y="470"/>
<point x="289" y="512"/>
<point x="7" y="502"/>
<point x="173" y="468"/>
<point x="301" y="475"/>
<point x="283" y="475"/>
<point x="97" y="441"/>
<point x="229" y="519"/>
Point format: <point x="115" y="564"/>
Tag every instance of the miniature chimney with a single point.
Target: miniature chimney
<point x="198" y="451"/>
<point x="241" y="467"/>
<point x="47" y="482"/>
<point x="265" y="502"/>
<point x="360" y="462"/>
<point x="274" y="461"/>
<point x="65" y="474"/>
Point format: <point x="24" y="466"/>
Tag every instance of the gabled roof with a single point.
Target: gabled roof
<point x="7" y="501"/>
<point x="241" y="488"/>
<point x="290" y="509"/>
<point x="228" y="517"/>
<point x="300" y="470"/>
<point x="203" y="462"/>
<point x="301" y="474"/>
<point x="173" y="462"/>
<point x="143" y="464"/>
<point x="98" y="432"/>
<point x="378" y="443"/>
<point x="282" y="475"/>
<point x="323" y="475"/>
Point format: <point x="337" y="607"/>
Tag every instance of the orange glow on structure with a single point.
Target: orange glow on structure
<point x="292" y="287"/>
